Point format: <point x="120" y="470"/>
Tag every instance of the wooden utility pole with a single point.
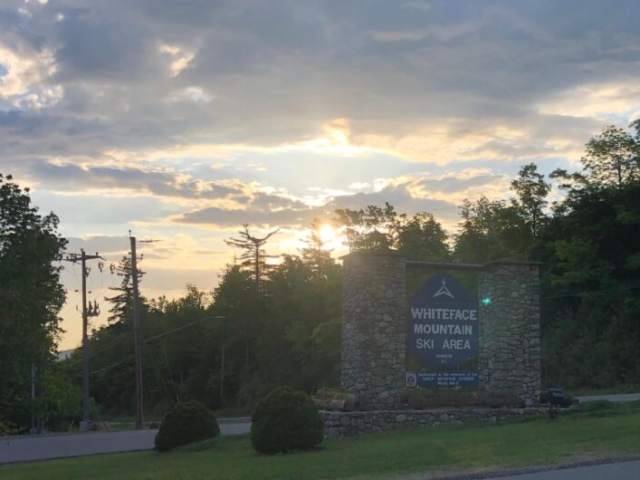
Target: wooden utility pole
<point x="91" y="311"/>
<point x="137" y="333"/>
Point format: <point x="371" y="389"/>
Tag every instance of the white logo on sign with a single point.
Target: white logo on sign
<point x="443" y="291"/>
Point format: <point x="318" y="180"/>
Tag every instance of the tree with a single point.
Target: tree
<point x="611" y="158"/>
<point x="421" y="237"/>
<point x="254" y="256"/>
<point x="121" y="312"/>
<point x="30" y="296"/>
<point x="532" y="192"/>
<point x="371" y="228"/>
<point x="303" y="308"/>
<point x="235" y="300"/>
<point x="490" y="230"/>
<point x="591" y="262"/>
<point x="314" y="254"/>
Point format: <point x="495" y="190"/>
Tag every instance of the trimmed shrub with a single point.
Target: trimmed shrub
<point x="186" y="423"/>
<point x="284" y="421"/>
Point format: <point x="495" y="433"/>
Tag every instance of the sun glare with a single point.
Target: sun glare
<point x="327" y="233"/>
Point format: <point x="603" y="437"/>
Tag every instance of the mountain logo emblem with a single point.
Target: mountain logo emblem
<point x="443" y="291"/>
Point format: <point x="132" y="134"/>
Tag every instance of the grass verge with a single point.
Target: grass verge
<point x="428" y="450"/>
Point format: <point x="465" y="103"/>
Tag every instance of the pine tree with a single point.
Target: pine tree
<point x="254" y="258"/>
<point x="121" y="313"/>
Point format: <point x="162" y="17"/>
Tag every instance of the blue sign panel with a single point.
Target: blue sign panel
<point x="443" y="323"/>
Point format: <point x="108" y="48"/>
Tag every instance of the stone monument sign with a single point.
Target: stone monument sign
<point x="442" y="325"/>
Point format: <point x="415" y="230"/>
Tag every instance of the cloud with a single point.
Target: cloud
<point x="117" y="65"/>
<point x="184" y="119"/>
<point x="440" y="195"/>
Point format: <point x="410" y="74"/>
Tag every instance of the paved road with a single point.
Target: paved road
<point x="47" y="447"/>
<point x="626" y="397"/>
<point x="613" y="471"/>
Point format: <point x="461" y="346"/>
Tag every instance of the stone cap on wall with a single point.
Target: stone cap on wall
<point x="511" y="261"/>
<point x="444" y="266"/>
<point x="373" y="253"/>
<point x="451" y="266"/>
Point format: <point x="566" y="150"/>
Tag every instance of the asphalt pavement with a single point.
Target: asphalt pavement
<point x="624" y="397"/>
<point x="48" y="447"/>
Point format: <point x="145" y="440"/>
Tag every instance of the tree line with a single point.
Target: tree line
<point x="270" y="323"/>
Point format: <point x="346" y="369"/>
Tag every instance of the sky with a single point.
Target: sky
<point x="181" y="120"/>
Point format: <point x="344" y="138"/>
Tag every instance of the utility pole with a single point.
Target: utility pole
<point x="34" y="429"/>
<point x="137" y="336"/>
<point x="91" y="311"/>
<point x="137" y="333"/>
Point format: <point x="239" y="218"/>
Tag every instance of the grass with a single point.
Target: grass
<point x="426" y="450"/>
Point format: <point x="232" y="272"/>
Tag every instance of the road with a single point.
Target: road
<point x="625" y="397"/>
<point x="47" y="447"/>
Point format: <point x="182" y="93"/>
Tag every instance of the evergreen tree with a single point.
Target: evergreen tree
<point x="254" y="257"/>
<point x="121" y="311"/>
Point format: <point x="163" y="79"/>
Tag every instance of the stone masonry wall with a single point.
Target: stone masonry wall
<point x="509" y="337"/>
<point x="374" y="328"/>
<point x="348" y="424"/>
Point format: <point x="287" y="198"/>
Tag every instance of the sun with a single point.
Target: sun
<point x="327" y="233"/>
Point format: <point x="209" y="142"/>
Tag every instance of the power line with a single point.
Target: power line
<point x="181" y="328"/>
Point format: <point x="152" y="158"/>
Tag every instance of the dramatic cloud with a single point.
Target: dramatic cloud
<point x="183" y="119"/>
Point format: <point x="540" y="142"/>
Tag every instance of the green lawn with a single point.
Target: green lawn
<point x="427" y="450"/>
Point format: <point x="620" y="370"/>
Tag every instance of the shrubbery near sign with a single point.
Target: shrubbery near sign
<point x="284" y="421"/>
<point x="186" y="423"/>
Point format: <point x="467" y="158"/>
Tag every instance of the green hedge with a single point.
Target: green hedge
<point x="284" y="421"/>
<point x="186" y="423"/>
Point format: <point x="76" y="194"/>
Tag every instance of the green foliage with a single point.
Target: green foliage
<point x="7" y="428"/>
<point x="371" y="228"/>
<point x="590" y="328"/>
<point x="30" y="297"/>
<point x="491" y="230"/>
<point x="285" y="421"/>
<point x="532" y="192"/>
<point x="59" y="401"/>
<point x="186" y="423"/>
<point x="121" y="311"/>
<point x="611" y="158"/>
<point x="254" y="257"/>
<point x="420" y="237"/>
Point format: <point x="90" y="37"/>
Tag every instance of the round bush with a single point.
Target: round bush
<point x="186" y="423"/>
<point x="286" y="420"/>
